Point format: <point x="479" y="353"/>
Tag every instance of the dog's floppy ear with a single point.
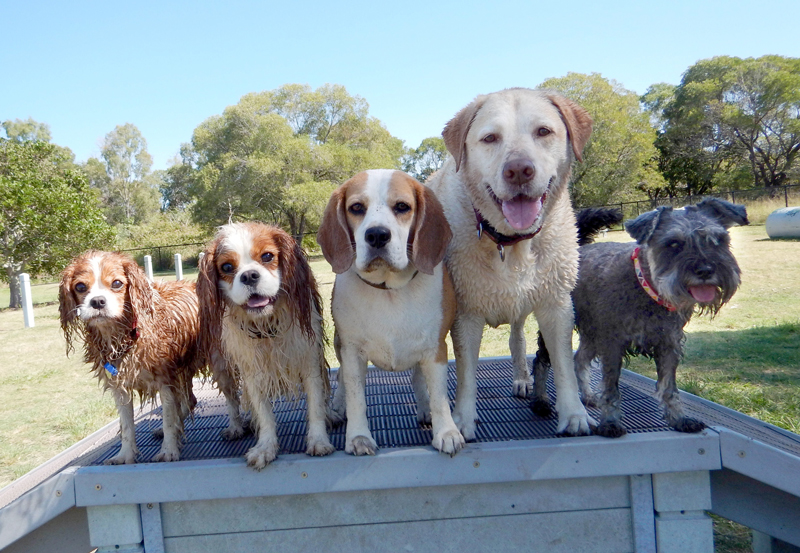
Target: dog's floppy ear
<point x="297" y="281"/>
<point x="455" y="132"/>
<point x="67" y="306"/>
<point x="334" y="233"/>
<point x="431" y="233"/>
<point x="642" y="228"/>
<point x="212" y="306"/>
<point x="140" y="294"/>
<point x="726" y="213"/>
<point x="577" y="120"/>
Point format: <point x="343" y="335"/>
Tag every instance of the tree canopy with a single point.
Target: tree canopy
<point x="277" y="156"/>
<point x="618" y="160"/>
<point x="424" y="161"/>
<point x="730" y="123"/>
<point x="48" y="212"/>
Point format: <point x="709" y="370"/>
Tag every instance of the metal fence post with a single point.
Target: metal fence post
<point x="178" y="267"/>
<point x="27" y="301"/>
<point x="148" y="267"/>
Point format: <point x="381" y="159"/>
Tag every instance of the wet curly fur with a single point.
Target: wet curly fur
<point x="681" y="251"/>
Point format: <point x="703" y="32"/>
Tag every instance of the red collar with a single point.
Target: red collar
<point x="646" y="285"/>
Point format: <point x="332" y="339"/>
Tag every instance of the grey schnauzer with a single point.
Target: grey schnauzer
<point x="636" y="298"/>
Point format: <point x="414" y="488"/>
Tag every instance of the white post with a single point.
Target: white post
<point x="178" y="267"/>
<point x="200" y="257"/>
<point x="27" y="301"/>
<point x="148" y="267"/>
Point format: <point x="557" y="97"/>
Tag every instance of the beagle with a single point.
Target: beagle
<point x="385" y="236"/>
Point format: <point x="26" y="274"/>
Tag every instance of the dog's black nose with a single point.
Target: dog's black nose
<point x="377" y="237"/>
<point x="704" y="271"/>
<point x="249" y="277"/>
<point x="518" y="171"/>
<point x="98" y="303"/>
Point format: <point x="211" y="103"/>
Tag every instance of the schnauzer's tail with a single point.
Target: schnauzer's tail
<point x="594" y="219"/>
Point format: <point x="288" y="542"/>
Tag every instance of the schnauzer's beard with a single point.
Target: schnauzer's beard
<point x="673" y="282"/>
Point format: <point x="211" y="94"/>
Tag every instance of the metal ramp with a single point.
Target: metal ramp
<point x="512" y="445"/>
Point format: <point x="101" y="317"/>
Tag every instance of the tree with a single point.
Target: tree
<point x="48" y="213"/>
<point x="426" y="159"/>
<point x="618" y="160"/>
<point x="277" y="156"/>
<point x="729" y="117"/>
<point x="129" y="193"/>
<point x="28" y="130"/>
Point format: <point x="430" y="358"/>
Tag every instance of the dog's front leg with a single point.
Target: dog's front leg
<point x="556" y="322"/>
<point x="266" y="449"/>
<point x="225" y="378"/>
<point x="128" y="450"/>
<point x="467" y="333"/>
<point x="668" y="395"/>
<point x="446" y="437"/>
<point x="523" y="381"/>
<point x="317" y="441"/>
<point x="358" y="438"/>
<point x="172" y="423"/>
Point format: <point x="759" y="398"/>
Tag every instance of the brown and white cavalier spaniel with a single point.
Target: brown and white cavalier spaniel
<point x="139" y="337"/>
<point x="259" y="303"/>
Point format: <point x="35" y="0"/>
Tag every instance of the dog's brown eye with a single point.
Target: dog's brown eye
<point x="226" y="267"/>
<point x="489" y="138"/>
<point x="543" y="131"/>
<point x="357" y="209"/>
<point x="267" y="257"/>
<point x="401" y="207"/>
<point x="80" y="288"/>
<point x="116" y="285"/>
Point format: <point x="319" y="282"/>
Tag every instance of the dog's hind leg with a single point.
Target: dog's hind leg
<point x="583" y="371"/>
<point x="610" y="399"/>
<point x="523" y="381"/>
<point x="467" y="333"/>
<point x="224" y="376"/>
<point x="556" y="322"/>
<point x="668" y="395"/>
<point x="128" y="450"/>
<point x="418" y="383"/>
<point x="540" y="404"/>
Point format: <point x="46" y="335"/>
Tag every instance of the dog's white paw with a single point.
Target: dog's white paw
<point x="449" y="441"/>
<point x="578" y="424"/>
<point x="523" y="388"/>
<point x="361" y="445"/>
<point x="424" y="416"/>
<point x="168" y="455"/>
<point x="123" y="458"/>
<point x="259" y="456"/>
<point x="319" y="447"/>
<point x="233" y="433"/>
<point x="466" y="424"/>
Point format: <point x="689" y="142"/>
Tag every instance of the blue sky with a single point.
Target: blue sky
<point x="85" y="67"/>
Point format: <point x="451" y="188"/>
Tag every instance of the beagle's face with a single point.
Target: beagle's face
<point x="246" y="262"/>
<point x="380" y="207"/>
<point x="98" y="284"/>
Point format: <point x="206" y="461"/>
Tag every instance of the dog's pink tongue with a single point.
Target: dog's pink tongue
<point x="704" y="293"/>
<point x="256" y="302"/>
<point x="521" y="211"/>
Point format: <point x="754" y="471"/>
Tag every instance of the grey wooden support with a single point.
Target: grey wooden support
<point x="27" y="301"/>
<point x="178" y="267"/>
<point x="764" y="543"/>
<point x="643" y="514"/>
<point x="115" y="528"/>
<point x="152" y="528"/>
<point x="148" y="267"/>
<point x="681" y="500"/>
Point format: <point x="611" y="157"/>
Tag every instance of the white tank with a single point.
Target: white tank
<point x="784" y="223"/>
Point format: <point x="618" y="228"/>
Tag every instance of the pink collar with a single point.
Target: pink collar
<point x="646" y="285"/>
